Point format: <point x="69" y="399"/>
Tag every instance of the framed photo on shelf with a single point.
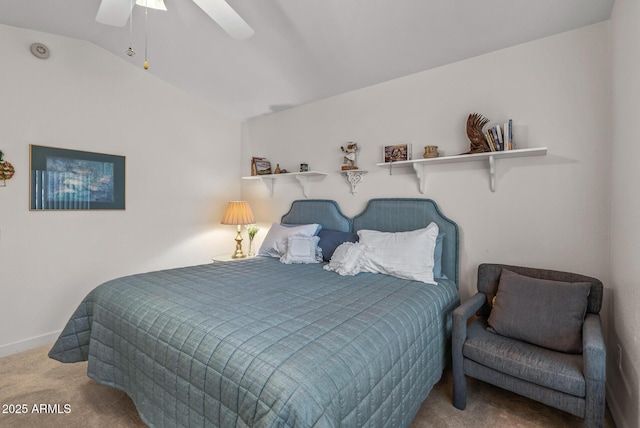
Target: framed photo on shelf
<point x="397" y="152"/>
<point x="64" y="179"/>
<point x="260" y="166"/>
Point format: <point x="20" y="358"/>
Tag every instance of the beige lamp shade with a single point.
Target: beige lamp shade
<point x="238" y="213"/>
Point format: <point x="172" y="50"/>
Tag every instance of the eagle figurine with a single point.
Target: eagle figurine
<point x="475" y="123"/>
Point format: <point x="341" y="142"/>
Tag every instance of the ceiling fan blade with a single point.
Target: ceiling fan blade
<point x="114" y="12"/>
<point x="152" y="4"/>
<point x="226" y="17"/>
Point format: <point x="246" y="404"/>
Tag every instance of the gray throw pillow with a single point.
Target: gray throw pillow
<point x="540" y="311"/>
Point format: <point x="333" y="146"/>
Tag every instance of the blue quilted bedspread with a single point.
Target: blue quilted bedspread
<point x="257" y="343"/>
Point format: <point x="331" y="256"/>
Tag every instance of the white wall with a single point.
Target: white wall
<point x="576" y="209"/>
<point x="549" y="212"/>
<point x="181" y="164"/>
<point x="624" y="302"/>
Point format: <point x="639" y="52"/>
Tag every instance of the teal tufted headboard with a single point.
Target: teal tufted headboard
<point x="386" y="215"/>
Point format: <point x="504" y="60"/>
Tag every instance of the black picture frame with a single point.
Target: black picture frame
<point x="63" y="179"/>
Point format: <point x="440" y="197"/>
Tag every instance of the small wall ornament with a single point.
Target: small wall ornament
<point x="349" y="156"/>
<point x="6" y="170"/>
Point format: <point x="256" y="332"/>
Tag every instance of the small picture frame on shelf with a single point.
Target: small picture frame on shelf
<point x="261" y="166"/>
<point x="254" y="168"/>
<point x="396" y="153"/>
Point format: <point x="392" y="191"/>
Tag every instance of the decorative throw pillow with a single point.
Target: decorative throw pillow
<point x="330" y="240"/>
<point x="539" y="311"/>
<point x="318" y="226"/>
<point x="408" y="255"/>
<point x="275" y="243"/>
<point x="346" y="259"/>
<point x="302" y="249"/>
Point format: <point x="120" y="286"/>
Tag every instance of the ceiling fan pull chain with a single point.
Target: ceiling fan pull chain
<point x="130" y="51"/>
<point x="146" y="17"/>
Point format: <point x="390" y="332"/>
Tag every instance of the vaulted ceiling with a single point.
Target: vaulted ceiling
<point x="305" y="50"/>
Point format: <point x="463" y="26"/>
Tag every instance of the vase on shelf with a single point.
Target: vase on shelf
<point x="430" y="152"/>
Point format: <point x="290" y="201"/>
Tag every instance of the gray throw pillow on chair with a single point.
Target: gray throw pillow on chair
<point x="539" y="311"/>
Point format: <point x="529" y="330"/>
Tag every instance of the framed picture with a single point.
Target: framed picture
<point x="64" y="179"/>
<point x="254" y="168"/>
<point x="397" y="152"/>
<point x="262" y="166"/>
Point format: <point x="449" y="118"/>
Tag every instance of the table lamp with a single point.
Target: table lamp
<point x="238" y="213"/>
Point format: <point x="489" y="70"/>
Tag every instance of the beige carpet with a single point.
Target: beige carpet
<point x="61" y="395"/>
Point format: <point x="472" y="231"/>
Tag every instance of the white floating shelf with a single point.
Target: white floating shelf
<point x="302" y="177"/>
<point x="419" y="165"/>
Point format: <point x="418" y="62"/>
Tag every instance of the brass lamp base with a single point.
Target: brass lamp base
<point x="239" y="254"/>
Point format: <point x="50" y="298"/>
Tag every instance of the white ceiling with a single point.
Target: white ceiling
<point x="305" y="50"/>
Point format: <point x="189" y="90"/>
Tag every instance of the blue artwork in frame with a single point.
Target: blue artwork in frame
<point x="64" y="179"/>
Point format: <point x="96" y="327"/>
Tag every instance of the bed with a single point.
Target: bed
<point x="259" y="343"/>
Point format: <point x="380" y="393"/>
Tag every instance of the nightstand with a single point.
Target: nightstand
<point x="228" y="258"/>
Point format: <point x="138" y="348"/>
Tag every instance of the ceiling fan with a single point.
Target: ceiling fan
<point x="117" y="12"/>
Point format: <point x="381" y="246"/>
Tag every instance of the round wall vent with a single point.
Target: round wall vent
<point x="40" y="51"/>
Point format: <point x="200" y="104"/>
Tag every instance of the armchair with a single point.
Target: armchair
<point x="572" y="380"/>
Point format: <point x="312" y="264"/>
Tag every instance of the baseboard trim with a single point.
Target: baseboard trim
<point x="616" y="413"/>
<point x="27" y="344"/>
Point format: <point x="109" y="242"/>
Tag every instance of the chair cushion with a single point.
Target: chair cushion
<point x="540" y="311"/>
<point x="541" y="366"/>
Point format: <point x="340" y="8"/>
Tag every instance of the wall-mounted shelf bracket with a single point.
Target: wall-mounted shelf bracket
<point x="302" y="177"/>
<point x="354" y="177"/>
<point x="492" y="173"/>
<point x="421" y="173"/>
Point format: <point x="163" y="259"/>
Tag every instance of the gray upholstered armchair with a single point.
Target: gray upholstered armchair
<point x="533" y="340"/>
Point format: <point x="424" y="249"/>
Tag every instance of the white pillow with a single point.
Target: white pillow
<point x="302" y="249"/>
<point x="275" y="243"/>
<point x="407" y="255"/>
<point x="346" y="259"/>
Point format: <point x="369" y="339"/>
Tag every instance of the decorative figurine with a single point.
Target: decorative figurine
<point x="430" y="152"/>
<point x="349" y="158"/>
<point x="6" y="169"/>
<point x="475" y="123"/>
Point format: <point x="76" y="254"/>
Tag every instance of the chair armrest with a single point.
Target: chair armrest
<point x="462" y="313"/>
<point x="594" y="352"/>
<point x="459" y="335"/>
<point x="470" y="307"/>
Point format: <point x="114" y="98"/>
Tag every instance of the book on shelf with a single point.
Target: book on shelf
<point x="500" y="138"/>
<point x="489" y="137"/>
<point x="496" y="141"/>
